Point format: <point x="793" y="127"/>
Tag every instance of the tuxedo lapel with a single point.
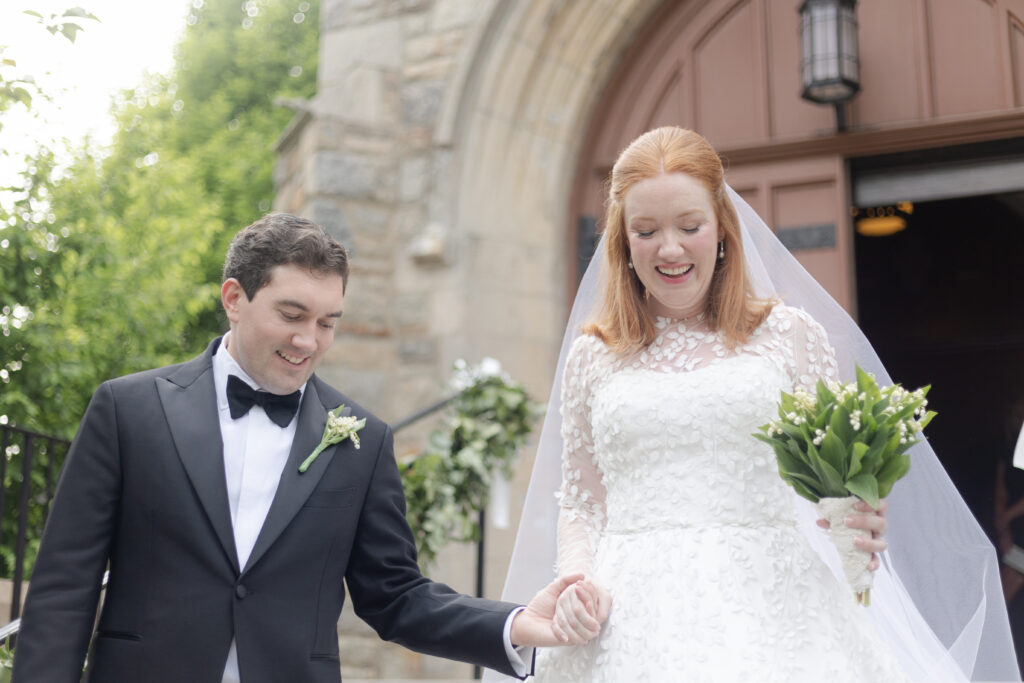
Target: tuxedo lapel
<point x="294" y="488"/>
<point x="190" y="405"/>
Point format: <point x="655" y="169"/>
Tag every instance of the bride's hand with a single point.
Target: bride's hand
<point x="580" y="610"/>
<point x="535" y="626"/>
<point x="872" y="520"/>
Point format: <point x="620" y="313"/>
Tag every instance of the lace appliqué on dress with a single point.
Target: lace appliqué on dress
<point x="669" y="502"/>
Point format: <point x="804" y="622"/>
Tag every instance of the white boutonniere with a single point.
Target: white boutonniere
<point x="338" y="428"/>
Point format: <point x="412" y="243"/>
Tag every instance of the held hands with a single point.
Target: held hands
<point x="873" y="521"/>
<point x="569" y="611"/>
<point x="579" y="612"/>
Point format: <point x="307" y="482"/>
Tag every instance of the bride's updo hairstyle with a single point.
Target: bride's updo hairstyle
<point x="624" y="322"/>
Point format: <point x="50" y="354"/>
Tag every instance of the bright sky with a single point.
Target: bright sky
<point x="130" y="38"/>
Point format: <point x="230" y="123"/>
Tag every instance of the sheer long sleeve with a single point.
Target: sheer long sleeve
<point x="811" y="355"/>
<point x="582" y="496"/>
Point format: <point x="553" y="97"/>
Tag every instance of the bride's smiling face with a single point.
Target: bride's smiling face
<point x="673" y="242"/>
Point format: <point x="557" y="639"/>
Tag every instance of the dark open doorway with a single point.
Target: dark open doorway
<point x="943" y="303"/>
<point x="942" y="300"/>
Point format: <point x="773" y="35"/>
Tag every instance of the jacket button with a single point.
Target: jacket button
<point x="241" y="591"/>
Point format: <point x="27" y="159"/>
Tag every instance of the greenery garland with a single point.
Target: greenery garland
<point x="449" y="483"/>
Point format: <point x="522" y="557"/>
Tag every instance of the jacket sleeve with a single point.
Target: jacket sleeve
<point x="392" y="596"/>
<point x="60" y="608"/>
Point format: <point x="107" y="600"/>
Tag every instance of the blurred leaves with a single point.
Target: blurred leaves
<point x="66" y="23"/>
<point x="110" y="259"/>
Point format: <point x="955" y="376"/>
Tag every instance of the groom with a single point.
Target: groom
<point x="226" y="562"/>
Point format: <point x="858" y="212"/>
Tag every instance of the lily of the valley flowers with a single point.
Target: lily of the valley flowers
<point x="338" y="428"/>
<point x="844" y="443"/>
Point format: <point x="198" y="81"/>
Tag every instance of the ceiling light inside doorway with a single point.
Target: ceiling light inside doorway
<point x="880" y="221"/>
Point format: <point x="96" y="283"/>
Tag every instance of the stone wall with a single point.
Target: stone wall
<point x="441" y="149"/>
<point x="362" y="161"/>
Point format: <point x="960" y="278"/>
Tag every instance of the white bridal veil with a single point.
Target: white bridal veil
<point x="937" y="598"/>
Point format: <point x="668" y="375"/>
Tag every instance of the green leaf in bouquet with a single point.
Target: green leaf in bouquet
<point x="802" y="490"/>
<point x="792" y="431"/>
<point x="878" y="409"/>
<point x="780" y="451"/>
<point x="805" y="432"/>
<point x="904" y="412"/>
<point x="872" y="460"/>
<point x="890" y="447"/>
<point x="791" y="463"/>
<point x="906" y="446"/>
<point x="866" y="383"/>
<point x="787" y="404"/>
<point x="865" y="487"/>
<point x="891" y="472"/>
<point x="780" y="447"/>
<point x="820" y="420"/>
<point x="867" y="417"/>
<point x="825" y="395"/>
<point x="832" y="481"/>
<point x="840" y="424"/>
<point x="857" y="451"/>
<point x="798" y="449"/>
<point x="833" y="452"/>
<point x="927" y="418"/>
<point x="808" y="481"/>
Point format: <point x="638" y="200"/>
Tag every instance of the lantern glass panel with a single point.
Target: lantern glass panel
<point x="849" y="44"/>
<point x="829" y="67"/>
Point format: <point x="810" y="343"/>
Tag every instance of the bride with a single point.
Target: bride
<point x="705" y="563"/>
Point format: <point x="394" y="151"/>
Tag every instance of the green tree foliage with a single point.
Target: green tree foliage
<point x="111" y="262"/>
<point x="28" y="242"/>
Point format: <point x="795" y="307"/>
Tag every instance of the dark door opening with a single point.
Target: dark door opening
<point x="942" y="300"/>
<point x="943" y="303"/>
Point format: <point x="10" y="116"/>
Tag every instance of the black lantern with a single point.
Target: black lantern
<point x="828" y="32"/>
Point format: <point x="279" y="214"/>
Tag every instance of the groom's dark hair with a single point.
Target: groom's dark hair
<point x="280" y="239"/>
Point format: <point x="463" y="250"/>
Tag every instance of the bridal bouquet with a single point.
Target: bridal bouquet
<point x="847" y="442"/>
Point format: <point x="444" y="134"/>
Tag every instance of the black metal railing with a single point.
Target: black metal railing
<point x="30" y="463"/>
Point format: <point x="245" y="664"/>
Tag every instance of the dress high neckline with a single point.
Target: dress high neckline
<point x="689" y="322"/>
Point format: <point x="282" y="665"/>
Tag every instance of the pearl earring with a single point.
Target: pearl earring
<point x="721" y="249"/>
<point x="629" y="264"/>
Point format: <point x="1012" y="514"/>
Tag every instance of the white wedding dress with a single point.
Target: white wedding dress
<point x="670" y="503"/>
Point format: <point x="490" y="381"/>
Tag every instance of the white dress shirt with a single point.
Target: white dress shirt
<point x="255" y="453"/>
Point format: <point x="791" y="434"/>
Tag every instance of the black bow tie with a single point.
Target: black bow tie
<point x="279" y="408"/>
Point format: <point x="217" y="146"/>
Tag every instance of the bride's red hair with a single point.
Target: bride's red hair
<point x="624" y="322"/>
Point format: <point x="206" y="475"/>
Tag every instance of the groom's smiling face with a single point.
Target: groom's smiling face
<point x="280" y="336"/>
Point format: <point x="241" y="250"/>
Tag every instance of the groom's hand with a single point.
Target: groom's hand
<point x="535" y="626"/>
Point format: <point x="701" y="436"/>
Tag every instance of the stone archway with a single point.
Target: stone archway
<point x="510" y="133"/>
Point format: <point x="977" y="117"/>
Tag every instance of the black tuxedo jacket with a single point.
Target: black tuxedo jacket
<point x="144" y="489"/>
